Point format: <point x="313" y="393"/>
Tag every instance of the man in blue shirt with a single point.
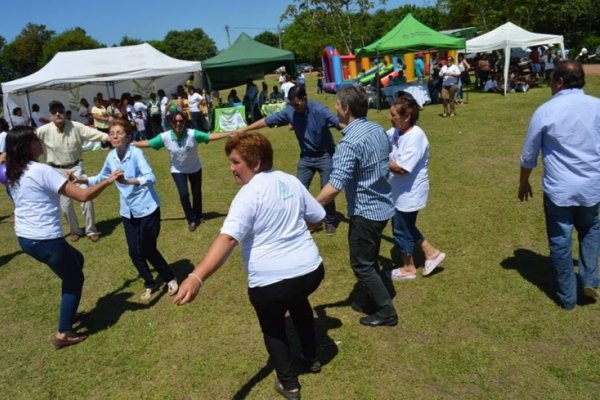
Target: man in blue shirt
<point x="566" y="129"/>
<point x="311" y="122"/>
<point x="360" y="166"/>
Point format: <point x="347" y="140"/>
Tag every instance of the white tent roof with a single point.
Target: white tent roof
<point x="510" y="35"/>
<point x="111" y="64"/>
<point x="73" y="75"/>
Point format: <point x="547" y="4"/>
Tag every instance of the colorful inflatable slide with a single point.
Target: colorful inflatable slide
<point x="340" y="70"/>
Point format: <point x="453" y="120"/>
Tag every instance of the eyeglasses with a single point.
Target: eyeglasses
<point x="52" y="112"/>
<point x="179" y="121"/>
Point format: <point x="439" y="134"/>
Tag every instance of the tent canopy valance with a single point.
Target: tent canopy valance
<point x="245" y="59"/>
<point x="409" y="36"/>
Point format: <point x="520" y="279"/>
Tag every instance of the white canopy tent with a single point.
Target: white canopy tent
<point x="510" y="35"/>
<point x="69" y="76"/>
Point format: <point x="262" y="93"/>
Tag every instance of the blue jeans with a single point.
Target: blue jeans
<point x="559" y="226"/>
<point x="193" y="210"/>
<point x="67" y="263"/>
<point x="406" y="233"/>
<point x="141" y="235"/>
<point x="307" y="167"/>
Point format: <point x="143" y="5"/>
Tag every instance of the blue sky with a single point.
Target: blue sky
<point x="108" y="20"/>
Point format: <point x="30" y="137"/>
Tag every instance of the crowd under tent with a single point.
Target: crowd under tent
<point x="72" y="75"/>
<point x="510" y="35"/>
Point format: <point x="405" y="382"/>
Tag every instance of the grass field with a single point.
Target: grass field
<point x="485" y="326"/>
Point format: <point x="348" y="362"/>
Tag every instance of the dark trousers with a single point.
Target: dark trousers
<point x="197" y="121"/>
<point x="142" y="235"/>
<point x="364" y="240"/>
<point x="67" y="263"/>
<point x="271" y="303"/>
<point x="193" y="210"/>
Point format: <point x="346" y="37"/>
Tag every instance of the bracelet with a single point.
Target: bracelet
<point x="197" y="278"/>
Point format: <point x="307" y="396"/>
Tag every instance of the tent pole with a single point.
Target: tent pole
<point x="28" y="105"/>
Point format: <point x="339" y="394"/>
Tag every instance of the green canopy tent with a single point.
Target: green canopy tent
<point x="244" y="59"/>
<point x="410" y="35"/>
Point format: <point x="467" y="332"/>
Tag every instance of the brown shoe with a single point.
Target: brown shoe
<point x="94" y="238"/>
<point x="68" y="341"/>
<point x="74" y="237"/>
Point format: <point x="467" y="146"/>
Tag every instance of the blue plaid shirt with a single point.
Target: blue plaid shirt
<point x="360" y="166"/>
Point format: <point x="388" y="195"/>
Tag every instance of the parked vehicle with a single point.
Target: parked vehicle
<point x="305" y="67"/>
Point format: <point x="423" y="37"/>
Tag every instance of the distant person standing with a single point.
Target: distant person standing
<point x="361" y="168"/>
<point x="566" y="131"/>
<point x="63" y="146"/>
<point x="37" y="117"/>
<point x="450" y="76"/>
<point x="100" y="115"/>
<point x="320" y="78"/>
<point x="419" y="68"/>
<point x="286" y="86"/>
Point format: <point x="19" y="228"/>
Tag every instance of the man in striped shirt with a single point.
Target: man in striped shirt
<point x="360" y="166"/>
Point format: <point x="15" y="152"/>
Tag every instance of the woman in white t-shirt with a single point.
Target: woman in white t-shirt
<point x="182" y="144"/>
<point x="269" y="216"/>
<point x="36" y="188"/>
<point x="409" y="162"/>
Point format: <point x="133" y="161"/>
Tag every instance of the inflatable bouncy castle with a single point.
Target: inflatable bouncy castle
<point x="340" y="70"/>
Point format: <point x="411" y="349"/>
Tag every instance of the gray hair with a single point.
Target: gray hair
<point x="355" y="98"/>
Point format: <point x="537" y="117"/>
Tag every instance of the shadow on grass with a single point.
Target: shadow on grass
<point x="534" y="268"/>
<point x="108" y="226"/>
<point x="110" y="307"/>
<point x="5" y="259"/>
<point x="537" y="269"/>
<point x="326" y="349"/>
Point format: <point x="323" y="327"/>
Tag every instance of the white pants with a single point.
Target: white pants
<point x="66" y="205"/>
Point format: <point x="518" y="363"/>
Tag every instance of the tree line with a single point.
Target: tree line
<point x="309" y="26"/>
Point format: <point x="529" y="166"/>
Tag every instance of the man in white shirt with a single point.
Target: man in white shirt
<point x="194" y="100"/>
<point x="450" y="75"/>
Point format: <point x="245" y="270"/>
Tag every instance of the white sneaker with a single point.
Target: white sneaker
<point x="432" y="264"/>
<point x="146" y="295"/>
<point x="398" y="275"/>
<point x="172" y="287"/>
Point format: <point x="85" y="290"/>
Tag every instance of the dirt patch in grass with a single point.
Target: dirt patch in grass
<point x="592" y="69"/>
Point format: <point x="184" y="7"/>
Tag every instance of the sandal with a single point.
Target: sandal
<point x="398" y="275"/>
<point x="432" y="264"/>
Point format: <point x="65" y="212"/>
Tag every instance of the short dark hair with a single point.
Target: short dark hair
<point x="407" y="105"/>
<point x="253" y="148"/>
<point x="355" y="98"/>
<point x="35" y="107"/>
<point x="55" y="106"/>
<point x="296" y="92"/>
<point x="571" y="72"/>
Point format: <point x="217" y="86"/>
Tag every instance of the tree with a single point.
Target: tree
<point x="127" y="41"/>
<point x="70" y="40"/>
<point x="337" y="13"/>
<point x="23" y="55"/>
<point x="268" y="38"/>
<point x="193" y="45"/>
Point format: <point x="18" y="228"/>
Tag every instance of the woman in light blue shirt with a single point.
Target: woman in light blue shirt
<point x="139" y="206"/>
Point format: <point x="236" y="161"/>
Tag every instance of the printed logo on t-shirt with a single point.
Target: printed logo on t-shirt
<point x="284" y="190"/>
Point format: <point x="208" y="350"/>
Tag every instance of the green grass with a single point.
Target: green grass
<point x="483" y="327"/>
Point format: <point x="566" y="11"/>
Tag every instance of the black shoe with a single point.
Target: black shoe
<point x="192" y="226"/>
<point x="312" y="365"/>
<point x="288" y="394"/>
<point x="376" y="320"/>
